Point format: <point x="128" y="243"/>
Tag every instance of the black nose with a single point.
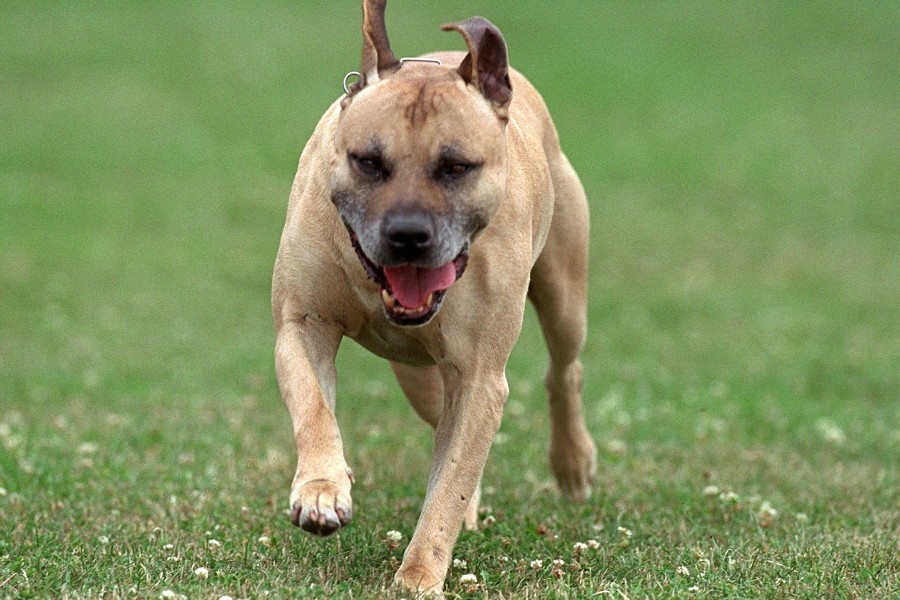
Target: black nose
<point x="408" y="232"/>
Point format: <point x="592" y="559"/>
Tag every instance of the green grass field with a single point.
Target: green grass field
<point x="743" y="365"/>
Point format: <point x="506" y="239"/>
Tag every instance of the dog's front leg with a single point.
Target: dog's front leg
<point x="472" y="412"/>
<point x="304" y="363"/>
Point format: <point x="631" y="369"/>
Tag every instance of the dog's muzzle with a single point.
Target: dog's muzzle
<point x="411" y="294"/>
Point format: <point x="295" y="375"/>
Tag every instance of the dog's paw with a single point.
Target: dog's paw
<point x="574" y="463"/>
<point x="321" y="506"/>
<point x="419" y="581"/>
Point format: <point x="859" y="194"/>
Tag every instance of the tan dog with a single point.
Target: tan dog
<point x="429" y="203"/>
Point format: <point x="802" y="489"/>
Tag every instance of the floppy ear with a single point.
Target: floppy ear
<point x="487" y="64"/>
<point x="378" y="59"/>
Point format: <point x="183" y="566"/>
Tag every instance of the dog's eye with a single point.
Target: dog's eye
<point x="371" y="166"/>
<point x="456" y="170"/>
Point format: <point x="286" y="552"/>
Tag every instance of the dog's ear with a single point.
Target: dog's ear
<point x="378" y="59"/>
<point x="487" y="64"/>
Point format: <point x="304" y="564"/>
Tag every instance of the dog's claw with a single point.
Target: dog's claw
<point x="321" y="507"/>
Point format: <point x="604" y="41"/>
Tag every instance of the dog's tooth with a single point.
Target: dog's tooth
<point x="387" y="299"/>
<point x="428" y="300"/>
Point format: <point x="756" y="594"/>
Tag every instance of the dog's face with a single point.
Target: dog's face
<point x="420" y="163"/>
<point x="420" y="170"/>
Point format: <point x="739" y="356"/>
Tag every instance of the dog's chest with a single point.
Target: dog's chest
<point x="392" y="343"/>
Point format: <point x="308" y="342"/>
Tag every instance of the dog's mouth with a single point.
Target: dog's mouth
<point x="411" y="295"/>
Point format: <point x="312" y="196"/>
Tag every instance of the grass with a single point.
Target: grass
<point x="742" y="166"/>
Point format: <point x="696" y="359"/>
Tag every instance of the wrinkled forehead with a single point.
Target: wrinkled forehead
<point x="407" y="115"/>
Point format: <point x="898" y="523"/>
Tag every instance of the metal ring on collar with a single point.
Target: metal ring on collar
<point x="348" y="76"/>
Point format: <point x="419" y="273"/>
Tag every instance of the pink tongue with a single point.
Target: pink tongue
<point x="411" y="285"/>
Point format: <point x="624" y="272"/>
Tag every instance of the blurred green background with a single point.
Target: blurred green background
<point x="741" y="161"/>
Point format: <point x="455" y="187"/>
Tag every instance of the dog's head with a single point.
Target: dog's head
<point x="420" y="163"/>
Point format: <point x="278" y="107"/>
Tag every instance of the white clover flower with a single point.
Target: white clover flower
<point x="87" y="448"/>
<point x="468" y="578"/>
<point x="537" y="564"/>
<point x="168" y="594"/>
<point x="3" y="492"/>
<point x="768" y="509"/>
<point x="103" y="540"/>
<point x="579" y="547"/>
<point x="694" y="589"/>
<point x="830" y="431"/>
<point x="711" y="490"/>
<point x="264" y="540"/>
<point x="801" y="517"/>
<point x="767" y="514"/>
<point x="593" y="544"/>
<point x="729" y="497"/>
<point x="459" y="563"/>
<point x="626" y="532"/>
<point x="225" y="598"/>
<point x="393" y="536"/>
<point x="169" y="547"/>
<point x="489" y="520"/>
<point x="213" y="544"/>
<point x="616" y="446"/>
<point x="202" y="572"/>
<point x="559" y="562"/>
<point x="683" y="571"/>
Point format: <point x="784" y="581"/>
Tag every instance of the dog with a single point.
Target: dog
<point x="431" y="201"/>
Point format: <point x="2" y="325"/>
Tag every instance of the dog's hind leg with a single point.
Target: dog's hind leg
<point x="558" y="291"/>
<point x="424" y="389"/>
